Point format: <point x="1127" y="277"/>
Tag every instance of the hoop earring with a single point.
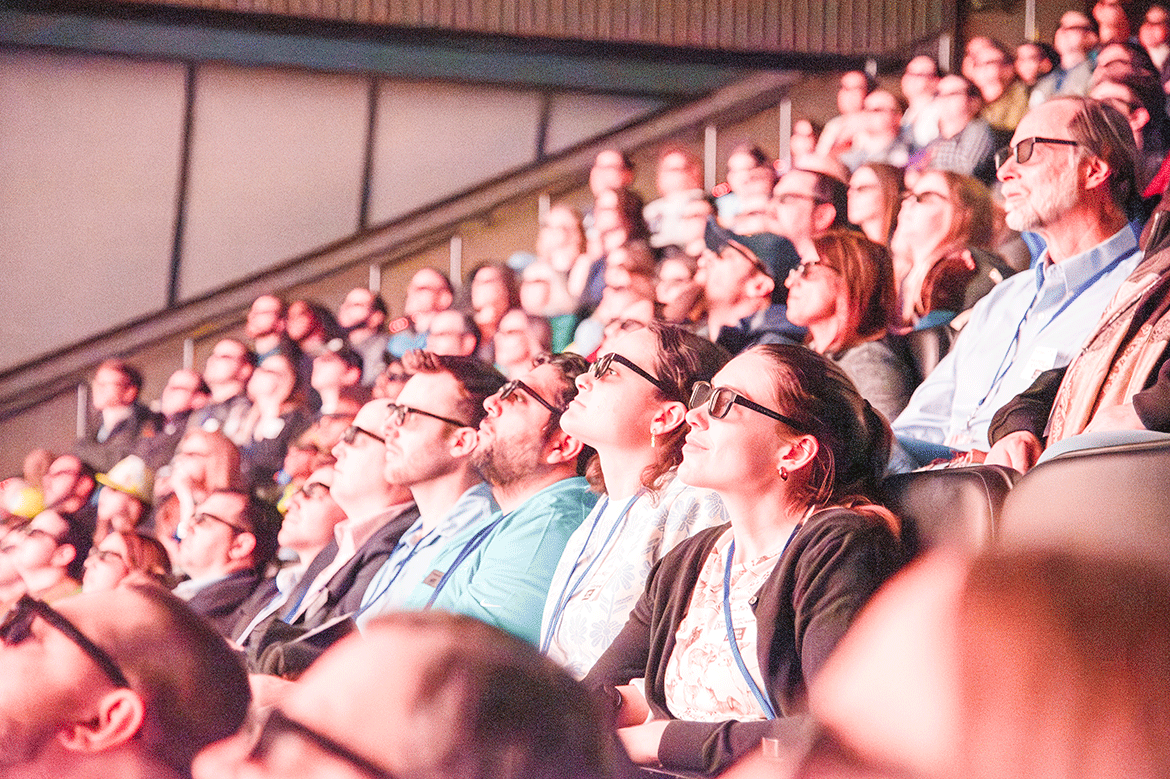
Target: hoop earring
<point x="783" y="473"/>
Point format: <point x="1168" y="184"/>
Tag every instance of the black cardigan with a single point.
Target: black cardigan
<point x="835" y="562"/>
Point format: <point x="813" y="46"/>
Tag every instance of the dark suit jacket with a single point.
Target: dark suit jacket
<point x="121" y="441"/>
<point x="218" y="602"/>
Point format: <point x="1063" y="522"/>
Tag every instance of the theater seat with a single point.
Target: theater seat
<point x="955" y="507"/>
<point x="928" y="346"/>
<point x="1111" y="500"/>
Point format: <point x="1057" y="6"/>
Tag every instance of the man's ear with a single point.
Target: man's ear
<point x="464" y="441"/>
<point x="823" y="216"/>
<point x="353" y="374"/>
<point x="670" y="416"/>
<point x="561" y="448"/>
<point x="760" y="285"/>
<point x="118" y="719"/>
<point x="1097" y="172"/>
<point x="63" y="555"/>
<point x="242" y="546"/>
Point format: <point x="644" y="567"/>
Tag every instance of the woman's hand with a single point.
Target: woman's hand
<point x="634" y="710"/>
<point x="641" y="741"/>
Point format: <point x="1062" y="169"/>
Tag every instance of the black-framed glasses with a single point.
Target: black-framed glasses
<point x="30" y="532"/>
<point x="105" y="555"/>
<point x="203" y="516"/>
<point x="277" y="724"/>
<point x="599" y="369"/>
<point x="313" y="490"/>
<point x="803" y="271"/>
<point x="398" y="414"/>
<point x="719" y="401"/>
<point x="1023" y="149"/>
<point x="350" y="434"/>
<point x="791" y="198"/>
<point x="919" y="197"/>
<point x="17" y="627"/>
<point x="509" y="389"/>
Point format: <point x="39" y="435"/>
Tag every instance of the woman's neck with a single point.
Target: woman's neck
<point x="761" y="522"/>
<point x="827" y="335"/>
<point x="622" y="470"/>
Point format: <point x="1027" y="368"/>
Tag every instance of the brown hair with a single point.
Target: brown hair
<point x="868" y="274"/>
<point x="974" y="222"/>
<point x="147" y="556"/>
<point x="477" y="380"/>
<point x="891" y="181"/>
<point x="853" y="439"/>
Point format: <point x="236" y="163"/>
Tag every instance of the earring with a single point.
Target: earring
<point x="783" y="473"/>
<point x="653" y="440"/>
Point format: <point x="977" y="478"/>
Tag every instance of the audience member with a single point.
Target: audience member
<point x="1074" y="40"/>
<point x="838" y="135"/>
<point x="124" y="498"/>
<point x="363" y="316"/>
<point x="520" y="338"/>
<point x="919" y="84"/>
<point x="965" y="143"/>
<point x="68" y="489"/>
<point x="493" y="292"/>
<point x="946" y="218"/>
<point x="630" y="408"/>
<point x="126" y="683"/>
<point x="618" y="220"/>
<point x="50" y="558"/>
<point x="744" y="288"/>
<point x="453" y="332"/>
<point x="1036" y="65"/>
<point x="390" y="381"/>
<point x="310" y="326"/>
<point x="809" y="479"/>
<point x="117" y="420"/>
<point x="1139" y="97"/>
<point x="678" y="290"/>
<point x="185" y="393"/>
<point x="679" y="181"/>
<point x="1112" y="22"/>
<point x="807" y="202"/>
<point x="377" y="512"/>
<point x="843" y="293"/>
<point x="544" y="289"/>
<point x="875" y="194"/>
<point x="11" y="585"/>
<point x="431" y="434"/>
<point x="277" y="417"/>
<point x="126" y="556"/>
<point x="226" y="372"/>
<point x="1005" y="98"/>
<point x="336" y="369"/>
<point x="1068" y="176"/>
<point x="265" y="325"/>
<point x="224" y="549"/>
<point x="880" y="137"/>
<point x="428" y="293"/>
<point x="751" y="175"/>
<point x="1154" y="36"/>
<point x="426" y="695"/>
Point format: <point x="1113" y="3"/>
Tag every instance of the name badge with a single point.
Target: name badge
<point x="433" y="578"/>
<point x="1043" y="358"/>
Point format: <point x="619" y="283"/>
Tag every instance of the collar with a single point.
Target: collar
<point x="350" y="534"/>
<point x="1082" y="268"/>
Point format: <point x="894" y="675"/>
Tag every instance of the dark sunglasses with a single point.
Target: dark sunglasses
<point x="804" y="270"/>
<point x="600" y="368"/>
<point x="105" y="555"/>
<point x="509" y="389"/>
<point x="313" y="490"/>
<point x="1023" y="150"/>
<point x="398" y="415"/>
<point x="350" y="434"/>
<point x="17" y="627"/>
<point x="277" y="724"/>
<point x="719" y="401"/>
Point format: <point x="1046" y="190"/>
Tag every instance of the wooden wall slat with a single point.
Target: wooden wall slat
<point x="849" y="27"/>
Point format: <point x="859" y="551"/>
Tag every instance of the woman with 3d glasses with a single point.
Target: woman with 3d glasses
<point x="631" y="408"/>
<point x="735" y="621"/>
<point x="844" y="295"/>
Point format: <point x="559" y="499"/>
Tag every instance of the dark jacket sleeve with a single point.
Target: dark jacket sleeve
<point x="1153" y="403"/>
<point x="1028" y="411"/>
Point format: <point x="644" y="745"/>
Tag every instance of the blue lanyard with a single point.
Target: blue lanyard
<point x="1005" y="364"/>
<point x="570" y="588"/>
<point x="464" y="553"/>
<point x="762" y="699"/>
<point x="396" y="574"/>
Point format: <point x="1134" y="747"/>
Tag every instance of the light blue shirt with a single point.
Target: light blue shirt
<point x="413" y="559"/>
<point x="1033" y="321"/>
<point x="505" y="580"/>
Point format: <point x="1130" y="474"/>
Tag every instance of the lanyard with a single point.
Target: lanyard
<point x="765" y="704"/>
<point x="1005" y="364"/>
<point x="570" y="588"/>
<point x="464" y="553"/>
<point x="397" y="572"/>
